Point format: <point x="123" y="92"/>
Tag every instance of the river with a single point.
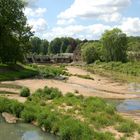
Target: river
<point x="22" y="131"/>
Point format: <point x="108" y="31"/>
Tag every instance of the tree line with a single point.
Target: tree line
<point x="56" y="46"/>
<point x="16" y="40"/>
<point x="114" y="45"/>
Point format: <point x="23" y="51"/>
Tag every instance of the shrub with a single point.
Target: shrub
<point x="28" y="116"/>
<point x="49" y="120"/>
<point x="69" y="94"/>
<point x="127" y="127"/>
<point x="30" y="112"/>
<point x="25" y="92"/>
<point x="16" y="108"/>
<point x="102" y="119"/>
<point x="51" y="93"/>
<point x="103" y="136"/>
<point x="11" y="106"/>
<point x="71" y="129"/>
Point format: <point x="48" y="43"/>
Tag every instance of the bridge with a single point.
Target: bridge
<point x="58" y="58"/>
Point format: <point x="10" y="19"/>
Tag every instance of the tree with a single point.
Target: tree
<point x="115" y="44"/>
<point x="14" y="31"/>
<point x="55" y="46"/>
<point x="36" y="45"/>
<point x="44" y="47"/>
<point x="89" y="53"/>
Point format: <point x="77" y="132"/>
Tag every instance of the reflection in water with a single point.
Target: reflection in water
<point x="21" y="131"/>
<point x="129" y="105"/>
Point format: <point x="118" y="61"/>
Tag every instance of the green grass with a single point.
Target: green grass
<point x="69" y="116"/>
<point x="129" y="71"/>
<point x="13" y="72"/>
<point x="50" y="71"/>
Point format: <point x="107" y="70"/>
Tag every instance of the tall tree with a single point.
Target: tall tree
<point x="44" y="47"/>
<point x="36" y="45"/>
<point x="89" y="52"/>
<point x="14" y="31"/>
<point x="115" y="44"/>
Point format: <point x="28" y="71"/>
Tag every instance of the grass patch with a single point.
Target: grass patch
<point x="13" y="72"/>
<point x="119" y="71"/>
<point x="50" y="71"/>
<point x="71" y="117"/>
<point x="127" y="127"/>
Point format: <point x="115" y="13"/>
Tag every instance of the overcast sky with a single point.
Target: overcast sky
<point x="82" y="18"/>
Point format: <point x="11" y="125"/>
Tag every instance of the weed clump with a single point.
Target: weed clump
<point x="25" y="92"/>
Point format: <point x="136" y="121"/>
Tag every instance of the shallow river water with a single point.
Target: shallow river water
<point x="128" y="105"/>
<point x="22" y="131"/>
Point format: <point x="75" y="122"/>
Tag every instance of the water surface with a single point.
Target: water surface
<point x="22" y="131"/>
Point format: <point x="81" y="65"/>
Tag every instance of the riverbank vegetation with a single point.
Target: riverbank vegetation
<point x="50" y="71"/>
<point x="70" y="116"/>
<point x="129" y="68"/>
<point x="13" y="72"/>
<point x="129" y="71"/>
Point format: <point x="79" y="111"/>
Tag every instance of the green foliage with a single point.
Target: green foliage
<point x="39" y="46"/>
<point x="14" y="31"/>
<point x="11" y="106"/>
<point x="73" y="130"/>
<point x="50" y="71"/>
<point x="30" y="112"/>
<point x="127" y="127"/>
<point x="115" y="45"/>
<point x="129" y="68"/>
<point x="103" y="136"/>
<point x="13" y="72"/>
<point x="25" y="92"/>
<point x="69" y="116"/>
<point x="89" y="53"/>
<point x="48" y="93"/>
<point x="63" y="45"/>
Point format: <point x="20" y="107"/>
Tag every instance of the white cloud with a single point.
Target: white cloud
<point x="77" y="31"/>
<point x="39" y="25"/>
<point x="65" y="22"/>
<point x="35" y="16"/>
<point x="131" y="26"/>
<point x="101" y="9"/>
<point x="38" y="12"/>
<point x="111" y="18"/>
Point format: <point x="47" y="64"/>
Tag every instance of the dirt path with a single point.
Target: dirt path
<point x="100" y="86"/>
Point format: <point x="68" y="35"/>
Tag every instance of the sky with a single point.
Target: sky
<point x="83" y="19"/>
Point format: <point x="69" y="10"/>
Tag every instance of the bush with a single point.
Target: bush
<point x="127" y="127"/>
<point x="51" y="93"/>
<point x="69" y="94"/>
<point x="103" y="136"/>
<point x="30" y="112"/>
<point x="25" y="92"/>
<point x="71" y="129"/>
<point x="11" y="106"/>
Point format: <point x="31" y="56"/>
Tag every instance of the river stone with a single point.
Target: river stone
<point x="9" y="118"/>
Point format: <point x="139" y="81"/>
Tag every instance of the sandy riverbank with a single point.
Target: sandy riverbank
<point x="100" y="86"/>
